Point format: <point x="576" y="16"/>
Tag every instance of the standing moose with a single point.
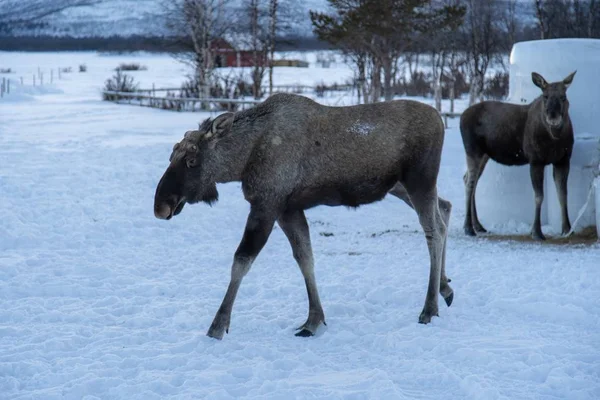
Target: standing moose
<point x="537" y="134"/>
<point x="291" y="154"/>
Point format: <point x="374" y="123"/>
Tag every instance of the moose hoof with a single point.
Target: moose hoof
<point x="309" y="328"/>
<point x="449" y="299"/>
<point x="304" y="333"/>
<point x="538" y="236"/>
<point x="218" y="328"/>
<point x="216" y="333"/>
<point x="480" y="229"/>
<point x="426" y="316"/>
<point x="469" y="231"/>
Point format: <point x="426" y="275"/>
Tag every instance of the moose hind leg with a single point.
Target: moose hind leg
<point x="426" y="206"/>
<point x="295" y="227"/>
<point x="470" y="178"/>
<point x="561" y="175"/>
<point x="445" y="209"/>
<point x="476" y="224"/>
<point x="537" y="180"/>
<point x="258" y="229"/>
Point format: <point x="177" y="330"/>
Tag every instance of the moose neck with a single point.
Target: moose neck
<point x="231" y="153"/>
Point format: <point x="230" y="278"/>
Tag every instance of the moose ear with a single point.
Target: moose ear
<point x="222" y="124"/>
<point x="569" y="79"/>
<point x="538" y="80"/>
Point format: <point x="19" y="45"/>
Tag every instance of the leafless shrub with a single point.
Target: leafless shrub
<point x="119" y="82"/>
<point x="323" y="88"/>
<point x="131" y="67"/>
<point x="458" y="80"/>
<point x="497" y="87"/>
<point x="420" y="84"/>
<point x="82" y="68"/>
<point x="228" y="86"/>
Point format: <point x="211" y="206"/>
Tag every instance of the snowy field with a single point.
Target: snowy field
<point x="100" y="300"/>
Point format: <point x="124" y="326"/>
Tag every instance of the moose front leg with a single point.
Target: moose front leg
<point x="295" y="227"/>
<point x="561" y="175"/>
<point x="258" y="228"/>
<point x="537" y="179"/>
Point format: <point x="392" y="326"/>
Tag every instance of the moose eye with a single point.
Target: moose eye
<point x="190" y="162"/>
<point x="563" y="98"/>
<point x="545" y="97"/>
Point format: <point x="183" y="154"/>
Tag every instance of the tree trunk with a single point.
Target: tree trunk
<point x="273" y="30"/>
<point x="591" y="18"/>
<point x="452" y="97"/>
<point x="539" y="12"/>
<point x="376" y="82"/>
<point x="362" y="79"/>
<point x="387" y="77"/>
<point x="256" y="75"/>
<point x="438" y="95"/>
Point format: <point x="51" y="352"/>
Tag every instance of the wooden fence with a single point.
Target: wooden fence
<point x="174" y="103"/>
<point x="192" y="104"/>
<point x="446" y="115"/>
<point x="293" y="88"/>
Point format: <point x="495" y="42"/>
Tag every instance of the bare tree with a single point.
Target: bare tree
<point x="482" y="37"/>
<point x="541" y="18"/>
<point x="594" y="16"/>
<point x="259" y="46"/>
<point x="510" y="24"/>
<point x="442" y="42"/>
<point x="195" y="25"/>
<point x="15" y="14"/>
<point x="567" y="18"/>
<point x="258" y="26"/>
<point x="272" y="32"/>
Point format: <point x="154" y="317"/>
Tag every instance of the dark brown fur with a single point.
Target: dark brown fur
<point x="538" y="134"/>
<point x="291" y="154"/>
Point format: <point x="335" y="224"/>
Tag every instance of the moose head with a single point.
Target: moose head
<point x="554" y="99"/>
<point x="193" y="169"/>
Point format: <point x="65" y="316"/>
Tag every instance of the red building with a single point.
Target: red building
<point x="225" y="55"/>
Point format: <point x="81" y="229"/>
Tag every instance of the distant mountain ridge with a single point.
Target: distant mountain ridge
<point x="132" y="18"/>
<point x="143" y="18"/>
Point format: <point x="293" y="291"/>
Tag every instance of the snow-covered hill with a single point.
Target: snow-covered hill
<point x="138" y="17"/>
<point x="143" y="17"/>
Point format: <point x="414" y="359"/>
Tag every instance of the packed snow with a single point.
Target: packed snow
<point x="101" y="300"/>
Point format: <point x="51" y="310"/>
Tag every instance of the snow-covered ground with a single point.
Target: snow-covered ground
<point x="100" y="300"/>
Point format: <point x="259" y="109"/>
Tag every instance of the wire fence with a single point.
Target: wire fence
<point x="39" y="78"/>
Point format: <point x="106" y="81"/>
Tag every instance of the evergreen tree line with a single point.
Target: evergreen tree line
<point x="459" y="40"/>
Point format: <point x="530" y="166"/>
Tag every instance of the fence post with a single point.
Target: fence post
<point x="51" y="76"/>
<point x="33" y="79"/>
<point x="8" y="86"/>
<point x="41" y="79"/>
<point x="59" y="73"/>
<point x="21" y="81"/>
<point x="2" y="88"/>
